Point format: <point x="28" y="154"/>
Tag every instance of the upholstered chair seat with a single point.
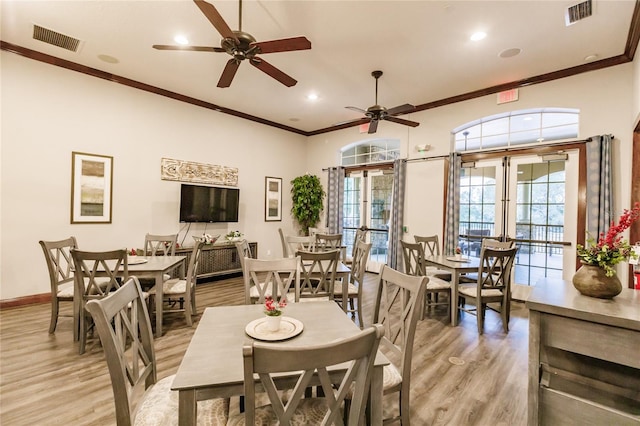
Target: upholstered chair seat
<point x="160" y="407"/>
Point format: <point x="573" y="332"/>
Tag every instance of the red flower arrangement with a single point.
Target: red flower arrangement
<point x="273" y="309"/>
<point x="610" y="249"/>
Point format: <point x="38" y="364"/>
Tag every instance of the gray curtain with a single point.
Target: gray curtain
<point x="452" y="215"/>
<point x="599" y="185"/>
<point x="394" y="259"/>
<point x="335" y="200"/>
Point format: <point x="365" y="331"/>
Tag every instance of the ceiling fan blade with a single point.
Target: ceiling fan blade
<point x="216" y="19"/>
<point x="283" y="45"/>
<point x="356" y="109"/>
<point x="190" y="48"/>
<point x="272" y="71"/>
<point x="373" y="126"/>
<point x="401" y="109"/>
<point x="401" y="121"/>
<point x="228" y="73"/>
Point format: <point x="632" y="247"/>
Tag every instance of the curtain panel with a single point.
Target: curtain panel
<point x="452" y="214"/>
<point x="599" y="184"/>
<point x="397" y="215"/>
<point x="335" y="199"/>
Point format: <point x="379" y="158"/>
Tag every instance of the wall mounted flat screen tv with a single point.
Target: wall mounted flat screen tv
<point x="208" y="204"/>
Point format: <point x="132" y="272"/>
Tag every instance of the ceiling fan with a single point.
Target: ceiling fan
<point x="241" y="46"/>
<point x="376" y="113"/>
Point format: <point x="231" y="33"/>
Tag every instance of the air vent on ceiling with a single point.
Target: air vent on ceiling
<point x="577" y="12"/>
<point x="52" y="37"/>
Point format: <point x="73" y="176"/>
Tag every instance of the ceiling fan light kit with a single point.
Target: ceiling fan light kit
<point x="377" y="113"/>
<point x="241" y="45"/>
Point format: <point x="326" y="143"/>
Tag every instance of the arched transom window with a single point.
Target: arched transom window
<point x="515" y="128"/>
<point x="370" y="151"/>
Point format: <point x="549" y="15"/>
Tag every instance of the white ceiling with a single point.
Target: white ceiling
<point x="423" y="47"/>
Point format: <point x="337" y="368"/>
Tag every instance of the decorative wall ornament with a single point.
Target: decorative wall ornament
<point x="188" y="171"/>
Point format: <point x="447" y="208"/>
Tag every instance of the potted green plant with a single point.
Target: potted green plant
<point x="307" y="195"/>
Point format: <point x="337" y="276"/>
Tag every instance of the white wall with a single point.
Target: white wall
<point x="604" y="98"/>
<point x="635" y="116"/>
<point x="48" y="112"/>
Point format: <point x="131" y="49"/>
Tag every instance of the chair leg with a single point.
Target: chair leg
<point x="360" y="319"/>
<point x="404" y="408"/>
<point x="55" y="305"/>
<point x="83" y="333"/>
<point x="480" y="313"/>
<point x="505" y="317"/>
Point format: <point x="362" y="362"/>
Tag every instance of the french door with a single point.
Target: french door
<point x="367" y="202"/>
<point x="526" y="198"/>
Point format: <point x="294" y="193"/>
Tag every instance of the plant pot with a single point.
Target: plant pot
<point x="592" y="281"/>
<point x="273" y="322"/>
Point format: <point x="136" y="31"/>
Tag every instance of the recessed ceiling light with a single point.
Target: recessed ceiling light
<point x="180" y="39"/>
<point x="312" y="96"/>
<point x="478" y="36"/>
<point x="108" y="59"/>
<point x="591" y="58"/>
<point x="509" y="53"/>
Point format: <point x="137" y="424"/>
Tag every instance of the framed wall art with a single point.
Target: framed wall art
<point x="91" y="188"/>
<point x="273" y="199"/>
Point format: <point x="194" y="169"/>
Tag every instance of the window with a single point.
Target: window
<point x="523" y="127"/>
<point x="371" y="151"/>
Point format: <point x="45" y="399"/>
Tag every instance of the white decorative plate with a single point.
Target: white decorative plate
<point x="458" y="259"/>
<point x="136" y="260"/>
<point x="289" y="327"/>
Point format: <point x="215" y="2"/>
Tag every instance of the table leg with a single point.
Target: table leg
<point x="159" y="278"/>
<point x="455" y="278"/>
<point x="187" y="407"/>
<point x="375" y="396"/>
<point x="345" y="292"/>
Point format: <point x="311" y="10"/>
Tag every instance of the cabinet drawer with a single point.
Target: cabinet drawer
<point x="559" y="408"/>
<point x="614" y="344"/>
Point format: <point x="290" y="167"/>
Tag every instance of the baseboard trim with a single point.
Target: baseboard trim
<point x="26" y="300"/>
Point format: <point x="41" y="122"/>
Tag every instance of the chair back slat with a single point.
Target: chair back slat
<point x="413" y="255"/>
<point x="273" y="277"/>
<point x="312" y="363"/>
<point x="430" y="244"/>
<point x="160" y="244"/>
<point x="327" y="242"/>
<point x="296" y="243"/>
<point x="398" y="308"/>
<point x="59" y="263"/>
<point x="318" y="274"/>
<point x="123" y="324"/>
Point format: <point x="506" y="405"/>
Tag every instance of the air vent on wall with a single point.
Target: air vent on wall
<point x="52" y="37"/>
<point x="577" y="12"/>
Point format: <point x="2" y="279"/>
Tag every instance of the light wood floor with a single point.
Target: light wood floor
<point x="43" y="380"/>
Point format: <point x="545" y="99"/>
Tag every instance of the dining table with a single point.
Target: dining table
<point x="457" y="266"/>
<point x="212" y="366"/>
<point x="155" y="267"/>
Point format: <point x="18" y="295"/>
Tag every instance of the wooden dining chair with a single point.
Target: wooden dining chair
<point x="157" y="245"/>
<point x="398" y="307"/>
<point x="360" y="235"/>
<point x="431" y="247"/>
<point x="60" y="267"/>
<point x="295" y="243"/>
<point x="326" y="242"/>
<point x="414" y="264"/>
<point x="493" y="285"/>
<point x="123" y="324"/>
<point x="180" y="294"/>
<point x="278" y="278"/>
<point x="317" y="275"/>
<point x="267" y="360"/>
<point x="244" y="250"/>
<point x="356" y="281"/>
<point x="96" y="275"/>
